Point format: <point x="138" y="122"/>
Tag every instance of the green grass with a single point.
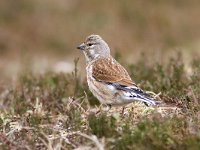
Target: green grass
<point x="54" y="111"/>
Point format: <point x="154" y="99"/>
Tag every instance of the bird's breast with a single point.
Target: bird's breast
<point x="103" y="92"/>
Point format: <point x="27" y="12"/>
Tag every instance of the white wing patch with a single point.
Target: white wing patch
<point x="132" y="93"/>
<point x="131" y="96"/>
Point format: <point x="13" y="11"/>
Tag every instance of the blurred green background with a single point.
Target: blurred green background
<point x="43" y="34"/>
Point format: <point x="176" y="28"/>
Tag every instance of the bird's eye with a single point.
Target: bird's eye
<point x="90" y="44"/>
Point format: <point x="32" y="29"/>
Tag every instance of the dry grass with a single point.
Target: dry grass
<point x="56" y="111"/>
<point x="43" y="109"/>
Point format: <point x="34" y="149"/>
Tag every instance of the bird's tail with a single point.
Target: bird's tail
<point x="140" y="95"/>
<point x="147" y="100"/>
<point x="135" y="93"/>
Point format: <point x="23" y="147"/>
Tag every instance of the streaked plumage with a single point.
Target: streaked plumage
<point x="107" y="79"/>
<point x="109" y="70"/>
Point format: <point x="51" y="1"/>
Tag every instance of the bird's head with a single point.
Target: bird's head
<point x="93" y="47"/>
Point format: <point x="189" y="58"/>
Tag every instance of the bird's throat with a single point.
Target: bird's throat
<point x="90" y="56"/>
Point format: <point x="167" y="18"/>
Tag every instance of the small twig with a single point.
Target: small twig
<point x="93" y="138"/>
<point x="6" y="141"/>
<point x="11" y="144"/>
<point x="49" y="144"/>
<point x="193" y="96"/>
<point x="154" y="94"/>
<point x="88" y="104"/>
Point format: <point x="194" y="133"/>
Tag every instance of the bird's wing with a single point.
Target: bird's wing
<point x="110" y="71"/>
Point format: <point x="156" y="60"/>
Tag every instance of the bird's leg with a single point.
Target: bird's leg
<point x="122" y="112"/>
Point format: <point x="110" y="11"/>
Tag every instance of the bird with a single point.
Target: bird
<point x="107" y="79"/>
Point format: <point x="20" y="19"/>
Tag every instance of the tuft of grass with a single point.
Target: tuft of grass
<point x="102" y="126"/>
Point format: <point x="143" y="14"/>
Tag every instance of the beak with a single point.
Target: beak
<point x="82" y="46"/>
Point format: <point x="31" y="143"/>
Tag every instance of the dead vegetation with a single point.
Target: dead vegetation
<point x="54" y="111"/>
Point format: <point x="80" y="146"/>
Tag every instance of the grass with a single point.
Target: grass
<point x="57" y="111"/>
<point x="54" y="111"/>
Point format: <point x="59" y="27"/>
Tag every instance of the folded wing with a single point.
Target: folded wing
<point x="108" y="70"/>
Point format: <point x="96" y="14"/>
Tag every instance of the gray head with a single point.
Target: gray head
<point x="93" y="47"/>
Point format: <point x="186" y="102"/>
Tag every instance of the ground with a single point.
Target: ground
<point x="57" y="111"/>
